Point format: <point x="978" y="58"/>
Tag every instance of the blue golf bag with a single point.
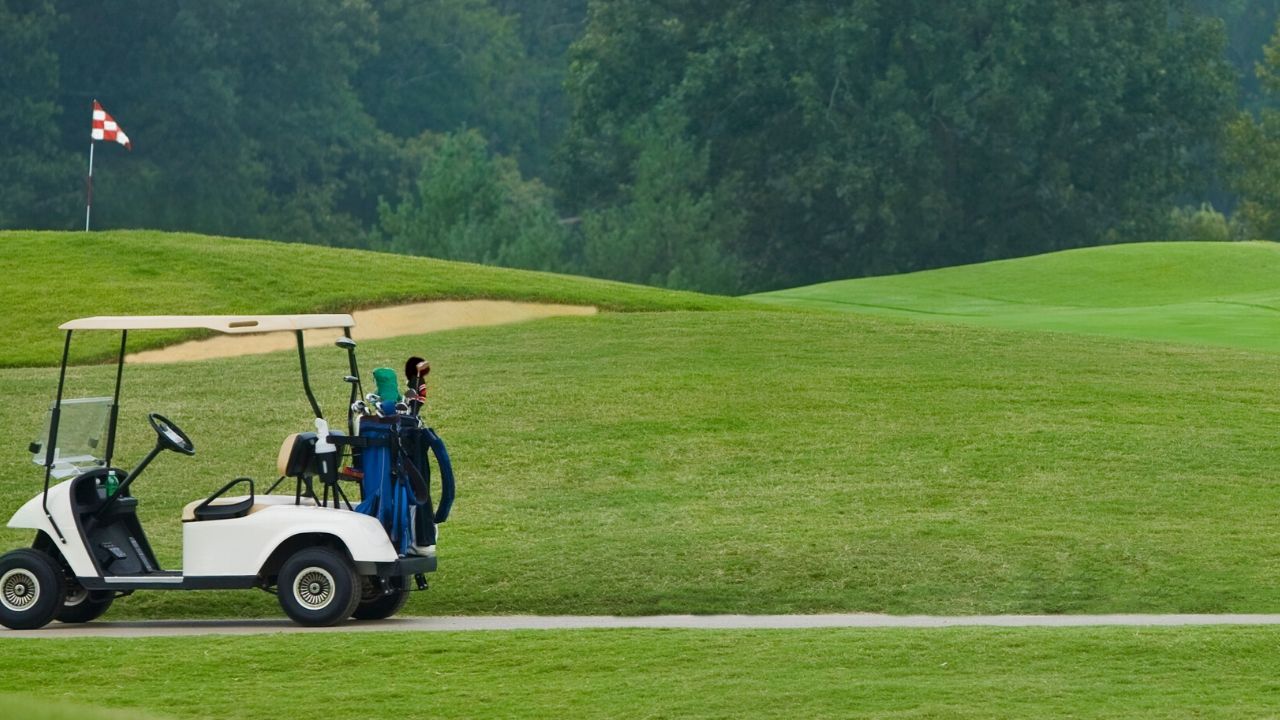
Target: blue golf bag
<point x="396" y="487"/>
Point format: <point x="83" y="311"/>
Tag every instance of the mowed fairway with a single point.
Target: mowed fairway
<point x="1081" y="673"/>
<point x="1223" y="294"/>
<point x="772" y="462"/>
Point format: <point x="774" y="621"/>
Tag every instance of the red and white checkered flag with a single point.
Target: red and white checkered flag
<point x="105" y="128"/>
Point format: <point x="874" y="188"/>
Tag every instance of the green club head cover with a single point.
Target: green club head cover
<point x="388" y="382"/>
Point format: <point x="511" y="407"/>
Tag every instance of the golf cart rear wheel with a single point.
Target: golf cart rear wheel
<point x="375" y="605"/>
<point x="82" y="606"/>
<point x="31" y="589"/>
<point x="318" y="587"/>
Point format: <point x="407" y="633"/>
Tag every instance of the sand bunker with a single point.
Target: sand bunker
<point x="385" y="322"/>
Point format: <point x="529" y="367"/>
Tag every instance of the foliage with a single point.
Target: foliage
<point x="37" y="175"/>
<point x="288" y="119"/>
<point x="1253" y="152"/>
<point x="1249" y="24"/>
<point x="243" y="117"/>
<point x="547" y="29"/>
<point x="827" y="140"/>
<point x="470" y="205"/>
<point x="873" y="137"/>
<point x="669" y="226"/>
<point x="1199" y="223"/>
<point x="445" y="65"/>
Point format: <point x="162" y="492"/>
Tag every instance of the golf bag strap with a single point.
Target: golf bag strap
<point x="360" y="441"/>
<point x="416" y="482"/>
<point x="447" y="485"/>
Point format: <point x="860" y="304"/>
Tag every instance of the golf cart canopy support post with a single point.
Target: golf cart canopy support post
<point x="306" y="378"/>
<point x="115" y="401"/>
<point x="51" y="451"/>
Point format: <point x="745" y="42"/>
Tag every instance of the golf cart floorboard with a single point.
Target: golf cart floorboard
<point x="171" y="580"/>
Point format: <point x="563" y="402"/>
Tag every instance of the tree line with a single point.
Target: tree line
<point x="725" y="146"/>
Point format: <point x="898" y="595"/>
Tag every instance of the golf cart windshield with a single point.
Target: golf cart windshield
<point x="82" y="434"/>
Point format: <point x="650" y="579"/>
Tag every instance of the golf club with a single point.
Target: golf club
<point x="416" y="370"/>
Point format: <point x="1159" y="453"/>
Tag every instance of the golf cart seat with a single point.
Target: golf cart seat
<point x="260" y="502"/>
<point x="216" y="507"/>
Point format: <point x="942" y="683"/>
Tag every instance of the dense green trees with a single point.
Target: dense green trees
<point x="873" y="137"/>
<point x="36" y="172"/>
<point x="471" y="205"/>
<point x="725" y="146"/>
<point x="1253" y="147"/>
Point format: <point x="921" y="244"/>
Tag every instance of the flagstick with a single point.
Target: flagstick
<point x="88" y="203"/>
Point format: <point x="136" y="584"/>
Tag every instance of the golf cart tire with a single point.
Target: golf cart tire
<point x="87" y="609"/>
<point x="318" y="587"/>
<point x="32" y="589"/>
<point x="383" y="606"/>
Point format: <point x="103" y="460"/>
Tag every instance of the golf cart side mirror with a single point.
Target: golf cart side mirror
<point x="350" y="379"/>
<point x="345" y="343"/>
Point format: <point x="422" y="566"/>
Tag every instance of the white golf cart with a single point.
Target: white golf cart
<point x="324" y="560"/>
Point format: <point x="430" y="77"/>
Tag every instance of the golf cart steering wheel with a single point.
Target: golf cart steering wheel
<point x="171" y="436"/>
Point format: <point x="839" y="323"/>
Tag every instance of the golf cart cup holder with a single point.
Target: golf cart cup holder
<point x="170" y="435"/>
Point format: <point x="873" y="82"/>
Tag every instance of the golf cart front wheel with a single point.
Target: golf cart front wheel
<point x="377" y="605"/>
<point x="318" y="587"/>
<point x="82" y="606"/>
<point x="31" y="589"/>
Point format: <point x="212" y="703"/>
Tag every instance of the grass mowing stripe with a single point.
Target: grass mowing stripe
<point x="761" y="462"/>
<point x="136" y="272"/>
<point x="1220" y="294"/>
<point x="981" y="673"/>
<point x="29" y="708"/>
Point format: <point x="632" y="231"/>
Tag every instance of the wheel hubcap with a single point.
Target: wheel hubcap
<point x="19" y="590"/>
<point x="314" y="588"/>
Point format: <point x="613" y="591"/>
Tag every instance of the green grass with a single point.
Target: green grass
<point x="969" y="673"/>
<point x="52" y="277"/>
<point x="743" y="460"/>
<point x="769" y="462"/>
<point x="1223" y="294"/>
<point x="27" y="707"/>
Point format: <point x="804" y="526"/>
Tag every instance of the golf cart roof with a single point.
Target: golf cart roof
<point x="230" y="324"/>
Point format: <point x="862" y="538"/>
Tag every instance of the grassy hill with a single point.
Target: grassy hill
<point x="1224" y="294"/>
<point x="755" y="461"/>
<point x="734" y="460"/>
<point x="52" y="277"/>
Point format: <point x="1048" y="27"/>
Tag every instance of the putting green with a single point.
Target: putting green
<point x="1223" y="294"/>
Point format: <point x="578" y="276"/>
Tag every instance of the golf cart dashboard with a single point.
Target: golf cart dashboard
<point x="91" y="490"/>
